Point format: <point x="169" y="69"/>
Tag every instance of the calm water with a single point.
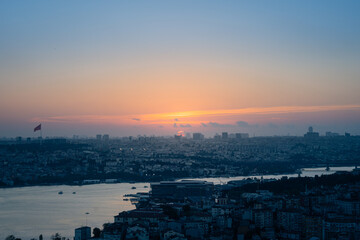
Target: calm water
<point x="28" y="212"/>
<point x="306" y="172"/>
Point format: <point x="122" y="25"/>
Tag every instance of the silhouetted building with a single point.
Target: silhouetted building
<point x="224" y="135"/>
<point x="331" y="134"/>
<point x="241" y="135"/>
<point x="106" y="137"/>
<point x="57" y="141"/>
<point x="198" y="136"/>
<point x="311" y="133"/>
<point x="98" y="137"/>
<point x="310" y="129"/>
<point x="182" y="189"/>
<point x="135" y="215"/>
<point x="217" y="137"/>
<point x="82" y="233"/>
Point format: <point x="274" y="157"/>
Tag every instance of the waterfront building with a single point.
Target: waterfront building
<point x="182" y="189"/>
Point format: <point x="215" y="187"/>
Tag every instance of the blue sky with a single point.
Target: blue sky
<point x="121" y="58"/>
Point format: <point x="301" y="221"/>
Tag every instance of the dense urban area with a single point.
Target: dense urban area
<point x="146" y="159"/>
<point x="326" y="207"/>
<point x="323" y="207"/>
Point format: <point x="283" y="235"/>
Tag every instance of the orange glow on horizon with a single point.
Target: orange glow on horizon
<point x="191" y="118"/>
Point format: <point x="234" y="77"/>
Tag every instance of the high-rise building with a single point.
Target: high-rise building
<point x="224" y="135"/>
<point x="98" y="137"/>
<point x="217" y="137"/>
<point x="198" y="136"/>
<point x="106" y="137"/>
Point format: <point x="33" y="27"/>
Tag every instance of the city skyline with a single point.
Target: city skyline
<point x="127" y="68"/>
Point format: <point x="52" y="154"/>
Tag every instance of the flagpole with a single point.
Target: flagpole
<point x="40" y="134"/>
<point x="37" y="129"/>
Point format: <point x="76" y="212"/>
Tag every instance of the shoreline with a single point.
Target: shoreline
<point x="315" y="166"/>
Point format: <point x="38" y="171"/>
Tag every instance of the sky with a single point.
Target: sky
<point x="159" y="67"/>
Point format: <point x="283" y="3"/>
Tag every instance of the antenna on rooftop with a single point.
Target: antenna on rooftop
<point x="86" y="218"/>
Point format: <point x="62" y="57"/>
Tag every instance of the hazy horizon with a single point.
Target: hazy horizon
<point x="156" y="68"/>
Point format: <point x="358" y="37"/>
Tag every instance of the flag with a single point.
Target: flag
<point x="37" y="128"/>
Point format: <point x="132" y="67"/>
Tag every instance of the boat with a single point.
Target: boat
<point x="125" y="199"/>
<point x="74" y="192"/>
<point x="145" y="186"/>
<point x="61" y="192"/>
<point x="133" y="188"/>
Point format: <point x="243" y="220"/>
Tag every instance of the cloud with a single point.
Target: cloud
<point x="242" y="124"/>
<point x="197" y="117"/>
<point x="185" y="125"/>
<point x="215" y="124"/>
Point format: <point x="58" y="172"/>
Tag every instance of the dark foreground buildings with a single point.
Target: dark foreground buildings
<point x="300" y="208"/>
<point x="181" y="189"/>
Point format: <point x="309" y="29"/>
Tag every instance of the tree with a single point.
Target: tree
<point x="186" y="208"/>
<point x="96" y="232"/>
<point x="170" y="212"/>
<point x="10" y="237"/>
<point x="56" y="236"/>
<point x="41" y="237"/>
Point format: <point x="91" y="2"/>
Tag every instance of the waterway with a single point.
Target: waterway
<point x="27" y="212"/>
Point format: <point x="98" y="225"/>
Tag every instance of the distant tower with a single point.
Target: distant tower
<point x="311" y="129"/>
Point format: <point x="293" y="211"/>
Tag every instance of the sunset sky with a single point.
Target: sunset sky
<point x="159" y="67"/>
